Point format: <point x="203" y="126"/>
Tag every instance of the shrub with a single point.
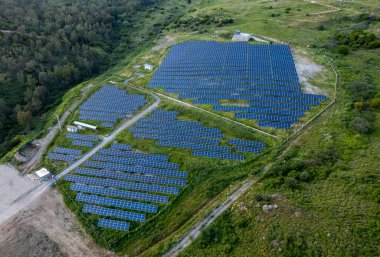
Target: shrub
<point x="320" y="27"/>
<point x="287" y="10"/>
<point x="291" y="183"/>
<point x="361" y="125"/>
<point x="343" y="50"/>
<point x="361" y="89"/>
<point x="375" y="102"/>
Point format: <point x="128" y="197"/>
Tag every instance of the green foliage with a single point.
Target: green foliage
<point x="343" y="50"/>
<point x="361" y="125"/>
<point x="357" y="38"/>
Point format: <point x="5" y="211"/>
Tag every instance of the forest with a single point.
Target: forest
<point x="47" y="47"/>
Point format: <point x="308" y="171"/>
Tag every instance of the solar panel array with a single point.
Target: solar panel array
<point x="247" y="146"/>
<point x="64" y="154"/>
<point x="109" y="104"/>
<point x="263" y="75"/>
<point x="124" y="179"/>
<point x="169" y="131"/>
<point x="82" y="140"/>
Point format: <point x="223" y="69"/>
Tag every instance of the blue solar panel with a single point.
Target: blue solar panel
<point x="119" y="193"/>
<point x="234" y="141"/>
<point x="218" y="155"/>
<point x="132" y="177"/>
<point x="190" y="145"/>
<point x="82" y="137"/>
<point x="69" y="151"/>
<point x="137" y="169"/>
<point x="248" y="149"/>
<point x="114" y="224"/>
<point x="93" y="209"/>
<point x="265" y="75"/>
<point x="116" y="203"/>
<point x="82" y="143"/>
<point x="62" y="157"/>
<point x="138" y="162"/>
<point x="136" y="155"/>
<point x="122" y="184"/>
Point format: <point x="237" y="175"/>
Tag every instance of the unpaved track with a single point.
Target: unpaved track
<point x="203" y="110"/>
<point x="45" y="141"/>
<point x="195" y="232"/>
<point x="35" y="194"/>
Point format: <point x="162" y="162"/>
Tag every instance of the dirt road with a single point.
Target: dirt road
<point x="45" y="141"/>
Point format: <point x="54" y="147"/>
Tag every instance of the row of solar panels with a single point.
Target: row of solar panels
<point x="179" y="88"/>
<point x="246" y="92"/>
<point x="174" y="81"/>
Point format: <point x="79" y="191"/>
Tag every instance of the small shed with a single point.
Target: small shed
<point x="72" y="129"/>
<point x="43" y="174"/>
<point x="148" y="66"/>
<point x="241" y="37"/>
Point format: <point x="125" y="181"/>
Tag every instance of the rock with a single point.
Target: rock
<point x="269" y="207"/>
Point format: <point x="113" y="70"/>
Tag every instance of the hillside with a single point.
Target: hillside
<point x="261" y="148"/>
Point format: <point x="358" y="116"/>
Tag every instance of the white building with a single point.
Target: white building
<point x="72" y="129"/>
<point x="241" y="37"/>
<point x="43" y="174"/>
<point x="82" y="125"/>
<point x="148" y="66"/>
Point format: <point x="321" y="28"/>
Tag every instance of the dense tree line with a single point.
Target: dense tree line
<point x="47" y="46"/>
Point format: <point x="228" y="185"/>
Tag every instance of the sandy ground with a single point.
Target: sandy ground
<point x="12" y="186"/>
<point x="307" y="69"/>
<point x="164" y="43"/>
<point x="47" y="228"/>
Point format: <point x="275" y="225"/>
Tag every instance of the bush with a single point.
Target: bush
<point x="374" y="44"/>
<point x="287" y="10"/>
<point x="361" y="89"/>
<point x="343" y="50"/>
<point x="320" y="27"/>
<point x="361" y="125"/>
<point x="291" y="183"/>
<point x="375" y="102"/>
<point x="263" y="198"/>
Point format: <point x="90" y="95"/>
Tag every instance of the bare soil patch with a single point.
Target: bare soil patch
<point x="47" y="228"/>
<point x="307" y="69"/>
<point x="164" y="43"/>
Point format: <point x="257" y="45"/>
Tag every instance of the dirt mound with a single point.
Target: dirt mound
<point x="28" y="241"/>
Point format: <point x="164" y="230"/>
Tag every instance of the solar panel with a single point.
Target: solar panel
<point x="138" y="162"/>
<point x="69" y="151"/>
<point x="122" y="184"/>
<point x="114" y="224"/>
<point x="265" y="75"/>
<point x="234" y="141"/>
<point x="119" y="193"/>
<point x="136" y="169"/>
<point x="132" y="177"/>
<point x="82" y="143"/>
<point x="134" y="154"/>
<point x="123" y="147"/>
<point x="82" y="137"/>
<point x="62" y="157"/>
<point x="93" y="209"/>
<point x="248" y="149"/>
<point x="116" y="203"/>
<point x="218" y="155"/>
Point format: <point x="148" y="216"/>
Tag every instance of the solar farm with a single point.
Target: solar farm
<point x="259" y="82"/>
<point x="109" y="104"/>
<point x="125" y="185"/>
<point x="163" y="126"/>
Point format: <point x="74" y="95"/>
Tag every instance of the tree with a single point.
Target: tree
<point x="361" y="125"/>
<point x="24" y="119"/>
